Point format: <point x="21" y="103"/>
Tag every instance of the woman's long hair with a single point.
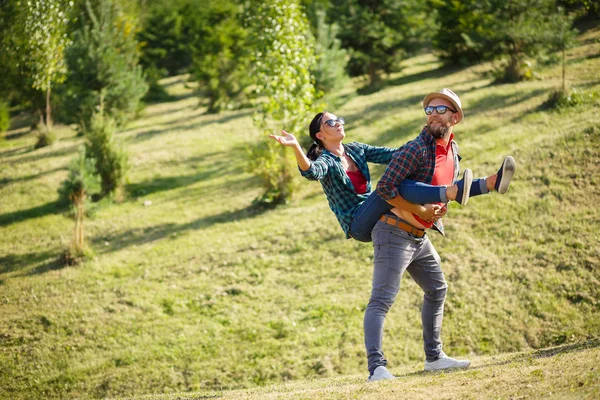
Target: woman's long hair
<point x="316" y="148"/>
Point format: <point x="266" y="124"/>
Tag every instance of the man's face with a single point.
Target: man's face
<point x="440" y="125"/>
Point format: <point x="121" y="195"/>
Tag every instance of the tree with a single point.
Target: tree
<point x="379" y="33"/>
<point x="513" y="30"/>
<point x="330" y="70"/>
<point x="44" y="27"/>
<point x="284" y="57"/>
<point x="221" y="54"/>
<point x="103" y="66"/>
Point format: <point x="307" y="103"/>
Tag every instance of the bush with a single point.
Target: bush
<point x="44" y="137"/>
<point x="81" y="181"/>
<point x="4" y="117"/>
<point x="561" y="99"/>
<point x="110" y="159"/>
<point x="276" y="168"/>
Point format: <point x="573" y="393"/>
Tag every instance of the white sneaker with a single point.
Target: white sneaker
<point x="505" y="174"/>
<point x="380" y="374"/>
<point x="445" y="362"/>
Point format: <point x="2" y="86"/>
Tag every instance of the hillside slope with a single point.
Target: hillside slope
<point x="193" y="288"/>
<point x="563" y="372"/>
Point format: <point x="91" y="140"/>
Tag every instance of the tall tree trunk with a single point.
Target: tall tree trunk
<point x="48" y="111"/>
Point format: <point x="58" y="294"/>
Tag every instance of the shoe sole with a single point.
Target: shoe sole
<point x="446" y="369"/>
<point x="468" y="181"/>
<point x="508" y="170"/>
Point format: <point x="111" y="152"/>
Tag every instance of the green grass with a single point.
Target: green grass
<point x="201" y="291"/>
<point x="563" y="372"/>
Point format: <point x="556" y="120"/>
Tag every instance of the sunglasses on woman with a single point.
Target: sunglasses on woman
<point x="438" y="109"/>
<point x="333" y="122"/>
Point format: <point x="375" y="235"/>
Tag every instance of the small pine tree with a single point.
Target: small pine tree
<point x="330" y="70"/>
<point x="110" y="158"/>
<point x="103" y="65"/>
<point x="81" y="181"/>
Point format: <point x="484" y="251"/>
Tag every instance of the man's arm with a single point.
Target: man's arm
<point x="403" y="164"/>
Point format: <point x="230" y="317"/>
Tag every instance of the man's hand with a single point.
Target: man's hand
<point x="287" y="139"/>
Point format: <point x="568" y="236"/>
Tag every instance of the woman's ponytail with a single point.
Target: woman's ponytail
<point x="316" y="149"/>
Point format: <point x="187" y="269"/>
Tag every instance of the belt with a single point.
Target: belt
<point x="406" y="227"/>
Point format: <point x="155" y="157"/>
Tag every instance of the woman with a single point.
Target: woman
<point x="344" y="174"/>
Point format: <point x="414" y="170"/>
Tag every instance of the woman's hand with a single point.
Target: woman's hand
<point x="287" y="139"/>
<point x="430" y="212"/>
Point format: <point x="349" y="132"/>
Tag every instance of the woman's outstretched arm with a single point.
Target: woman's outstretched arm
<point x="287" y="139"/>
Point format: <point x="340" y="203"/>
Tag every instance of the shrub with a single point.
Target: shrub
<point x="110" y="159"/>
<point x="45" y="137"/>
<point x="81" y="181"/>
<point x="560" y="99"/>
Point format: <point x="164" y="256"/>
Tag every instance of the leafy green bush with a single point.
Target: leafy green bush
<point x="4" y="117"/>
<point x="110" y="159"/>
<point x="560" y="99"/>
<point x="45" y="137"/>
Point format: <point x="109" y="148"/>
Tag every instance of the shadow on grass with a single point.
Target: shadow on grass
<point x="215" y="167"/>
<point x="147" y="235"/>
<point x="549" y="352"/>
<point x="53" y="207"/>
<point x="174" y="127"/>
<point x="496" y="102"/>
<point x="37" y="155"/>
<point x="8" y="181"/>
<point x="47" y="260"/>
<point x="542" y="353"/>
<point x="437" y="73"/>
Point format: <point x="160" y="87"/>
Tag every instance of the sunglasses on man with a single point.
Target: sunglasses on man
<point x="438" y="109"/>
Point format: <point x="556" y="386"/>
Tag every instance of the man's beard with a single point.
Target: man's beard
<point x="440" y="132"/>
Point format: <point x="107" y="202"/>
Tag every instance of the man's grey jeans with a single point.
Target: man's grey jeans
<point x="397" y="251"/>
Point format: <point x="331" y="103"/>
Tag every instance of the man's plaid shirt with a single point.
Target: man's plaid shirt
<point x="414" y="160"/>
<point x="327" y="169"/>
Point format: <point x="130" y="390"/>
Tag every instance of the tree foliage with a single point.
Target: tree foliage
<point x="330" y="69"/>
<point x="44" y="30"/>
<point x="109" y="157"/>
<point x="379" y="34"/>
<point x="165" y="35"/>
<point x="103" y="66"/>
<point x="514" y="30"/>
<point x="221" y="54"/>
<point x="284" y="57"/>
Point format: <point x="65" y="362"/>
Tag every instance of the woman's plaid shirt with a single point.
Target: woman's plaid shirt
<point x="414" y="160"/>
<point x="327" y="169"/>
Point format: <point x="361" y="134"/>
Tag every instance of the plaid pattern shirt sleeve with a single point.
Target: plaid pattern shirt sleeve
<point x="378" y="155"/>
<point x="317" y="171"/>
<point x="406" y="162"/>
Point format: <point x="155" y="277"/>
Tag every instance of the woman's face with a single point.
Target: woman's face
<point x="331" y="133"/>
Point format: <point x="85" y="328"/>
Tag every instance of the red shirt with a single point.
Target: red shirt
<point x="443" y="174"/>
<point x="358" y="181"/>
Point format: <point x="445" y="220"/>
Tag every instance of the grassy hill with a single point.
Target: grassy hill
<point x="195" y="289"/>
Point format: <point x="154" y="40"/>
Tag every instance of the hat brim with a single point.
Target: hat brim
<point x="432" y="96"/>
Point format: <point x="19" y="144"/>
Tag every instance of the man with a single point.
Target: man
<point x="401" y="244"/>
